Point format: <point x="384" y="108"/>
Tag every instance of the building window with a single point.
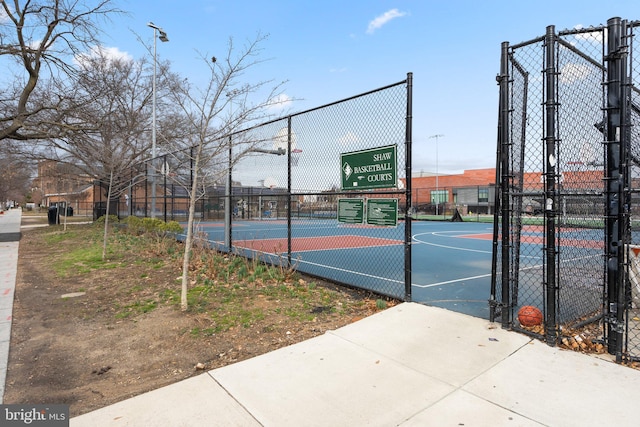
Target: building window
<point x="439" y="196"/>
<point x="483" y="195"/>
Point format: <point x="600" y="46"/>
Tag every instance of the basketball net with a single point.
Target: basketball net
<point x="295" y="156"/>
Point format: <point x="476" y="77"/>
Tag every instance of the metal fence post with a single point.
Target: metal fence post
<point x="550" y="190"/>
<point x="616" y="221"/>
<point x="502" y="196"/>
<point x="407" y="217"/>
<point x="289" y="140"/>
<point x="227" y="201"/>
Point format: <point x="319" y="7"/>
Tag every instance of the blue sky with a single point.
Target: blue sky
<point x="329" y="50"/>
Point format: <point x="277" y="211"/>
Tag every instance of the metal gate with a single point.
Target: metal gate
<point x="568" y="176"/>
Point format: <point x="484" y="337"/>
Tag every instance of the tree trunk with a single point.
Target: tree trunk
<point x="189" y="239"/>
<point x="106" y="218"/>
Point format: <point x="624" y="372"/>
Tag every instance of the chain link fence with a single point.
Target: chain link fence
<point x="281" y="192"/>
<point x="562" y="153"/>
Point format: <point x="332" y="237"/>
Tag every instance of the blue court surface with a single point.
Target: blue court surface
<point x="452" y="266"/>
<point x="451" y="261"/>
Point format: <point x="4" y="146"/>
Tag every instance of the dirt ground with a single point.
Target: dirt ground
<point x="74" y="350"/>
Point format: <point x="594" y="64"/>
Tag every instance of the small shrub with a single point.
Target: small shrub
<point x="113" y="219"/>
<point x="151" y="224"/>
<point x="172" y="227"/>
<point x="134" y="225"/>
<point x="155" y="226"/>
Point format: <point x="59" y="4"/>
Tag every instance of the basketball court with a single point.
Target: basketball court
<point x="451" y="262"/>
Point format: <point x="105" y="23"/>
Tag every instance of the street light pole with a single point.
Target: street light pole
<point x="437" y="175"/>
<point x="163" y="38"/>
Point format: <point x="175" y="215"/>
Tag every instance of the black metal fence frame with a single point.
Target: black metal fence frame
<point x="619" y="128"/>
<point x="220" y="201"/>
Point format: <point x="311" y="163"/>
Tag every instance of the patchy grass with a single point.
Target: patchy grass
<point x="130" y="318"/>
<point x="226" y="291"/>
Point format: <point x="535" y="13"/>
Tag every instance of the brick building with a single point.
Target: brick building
<point x="470" y="192"/>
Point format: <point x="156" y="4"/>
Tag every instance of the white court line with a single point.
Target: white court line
<point x="386" y="279"/>
<point x="449" y="282"/>
<point x="343" y="270"/>
<point x="482" y="276"/>
<point x="436" y="233"/>
<point x="457" y="248"/>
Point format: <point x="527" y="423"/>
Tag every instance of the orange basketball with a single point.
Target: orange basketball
<point x="529" y="315"/>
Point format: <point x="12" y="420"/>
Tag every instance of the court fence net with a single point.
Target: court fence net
<point x="568" y="144"/>
<point x="323" y="191"/>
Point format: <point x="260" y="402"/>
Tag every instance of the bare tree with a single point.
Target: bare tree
<point x="14" y="177"/>
<point x="116" y="94"/>
<point x="38" y="41"/>
<point x="211" y="121"/>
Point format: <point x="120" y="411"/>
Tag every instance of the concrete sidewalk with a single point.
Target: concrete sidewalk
<point x="9" y="241"/>
<point x="411" y="365"/>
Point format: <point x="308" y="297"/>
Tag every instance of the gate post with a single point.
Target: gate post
<point x="501" y="198"/>
<point x="407" y="195"/>
<point x="617" y="184"/>
<point x="550" y="191"/>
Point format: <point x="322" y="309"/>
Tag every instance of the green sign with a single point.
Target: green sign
<point x="373" y="168"/>
<point x="351" y="211"/>
<point x="382" y="212"/>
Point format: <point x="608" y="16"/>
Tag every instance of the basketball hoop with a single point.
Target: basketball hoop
<point x="295" y="156"/>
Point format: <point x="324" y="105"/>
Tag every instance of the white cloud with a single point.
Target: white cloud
<point x="381" y="20"/>
<point x="110" y="53"/>
<point x="572" y="72"/>
<point x="595" y="36"/>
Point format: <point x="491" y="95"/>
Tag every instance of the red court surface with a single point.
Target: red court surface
<point x="539" y="240"/>
<point x="300" y="244"/>
<point x="482" y="236"/>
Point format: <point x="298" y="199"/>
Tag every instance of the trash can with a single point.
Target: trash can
<point x="69" y="210"/>
<point x="99" y="212"/>
<point x="53" y="216"/>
